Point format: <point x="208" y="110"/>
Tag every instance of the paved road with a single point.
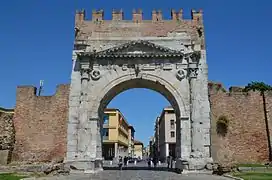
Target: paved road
<point x="140" y="171"/>
<point x="137" y="175"/>
<point x="136" y="172"/>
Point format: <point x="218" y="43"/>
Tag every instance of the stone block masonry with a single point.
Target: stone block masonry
<point x="7" y="135"/>
<point x="6" y="129"/>
<point x="40" y="124"/>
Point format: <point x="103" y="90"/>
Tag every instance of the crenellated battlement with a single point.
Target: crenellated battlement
<point x="217" y="87"/>
<point x="137" y="15"/>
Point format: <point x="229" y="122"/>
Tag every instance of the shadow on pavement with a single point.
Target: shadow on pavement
<point x="140" y="168"/>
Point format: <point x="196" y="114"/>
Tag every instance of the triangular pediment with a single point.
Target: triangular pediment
<point x="138" y="48"/>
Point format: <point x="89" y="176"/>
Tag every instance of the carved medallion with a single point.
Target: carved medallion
<point x="180" y="74"/>
<point x="95" y="74"/>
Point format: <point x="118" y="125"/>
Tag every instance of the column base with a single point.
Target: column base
<point x="85" y="166"/>
<point x="192" y="164"/>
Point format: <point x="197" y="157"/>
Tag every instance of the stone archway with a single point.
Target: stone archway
<point x="98" y="76"/>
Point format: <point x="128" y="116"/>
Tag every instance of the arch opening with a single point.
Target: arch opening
<point x="138" y="83"/>
<point x="158" y="85"/>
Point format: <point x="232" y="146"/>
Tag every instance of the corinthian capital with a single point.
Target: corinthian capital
<point x="192" y="72"/>
<point x="85" y="74"/>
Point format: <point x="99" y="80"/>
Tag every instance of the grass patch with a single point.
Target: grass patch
<point x="10" y="176"/>
<point x="254" y="175"/>
<point x="251" y="165"/>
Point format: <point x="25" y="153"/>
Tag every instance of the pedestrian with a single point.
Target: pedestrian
<point x="125" y="161"/>
<point x="155" y="160"/>
<point x="149" y="162"/>
<point x="168" y="162"/>
<point x="171" y="161"/>
<point x="120" y="163"/>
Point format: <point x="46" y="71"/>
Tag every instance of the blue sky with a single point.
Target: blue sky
<point x="36" y="39"/>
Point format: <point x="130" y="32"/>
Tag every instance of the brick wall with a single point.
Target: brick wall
<point x="40" y="124"/>
<point x="246" y="139"/>
<point x="98" y="27"/>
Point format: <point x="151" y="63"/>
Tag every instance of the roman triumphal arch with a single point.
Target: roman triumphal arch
<point x="107" y="62"/>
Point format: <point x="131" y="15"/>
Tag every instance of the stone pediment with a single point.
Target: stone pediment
<point x="139" y="48"/>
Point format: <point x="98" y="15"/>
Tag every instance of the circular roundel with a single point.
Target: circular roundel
<point x="95" y="74"/>
<point x="180" y="74"/>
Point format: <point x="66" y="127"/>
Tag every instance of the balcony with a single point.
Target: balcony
<point x="124" y="130"/>
<point x="105" y="137"/>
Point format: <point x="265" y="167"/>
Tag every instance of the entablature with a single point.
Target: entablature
<point x="138" y="49"/>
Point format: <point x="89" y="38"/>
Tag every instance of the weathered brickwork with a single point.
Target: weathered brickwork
<point x="98" y="27"/>
<point x="246" y="138"/>
<point x="6" y="129"/>
<point x="40" y="124"/>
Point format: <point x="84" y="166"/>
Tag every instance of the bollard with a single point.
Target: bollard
<point x="110" y="162"/>
<point x="135" y="162"/>
<point x="159" y="163"/>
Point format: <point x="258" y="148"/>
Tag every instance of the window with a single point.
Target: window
<point x="172" y="123"/>
<point x="106" y="119"/>
<point x="105" y="132"/>
<point x="172" y="134"/>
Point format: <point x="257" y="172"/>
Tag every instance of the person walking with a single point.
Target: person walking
<point x="125" y="161"/>
<point x="168" y="162"/>
<point x="149" y="162"/>
<point x="155" y="160"/>
<point x="120" y="163"/>
<point x="171" y="162"/>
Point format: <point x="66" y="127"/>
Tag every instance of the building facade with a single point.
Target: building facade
<point x="131" y="141"/>
<point x="166" y="130"/>
<point x="147" y="151"/>
<point x="115" y="135"/>
<point x="138" y="149"/>
<point x="156" y="137"/>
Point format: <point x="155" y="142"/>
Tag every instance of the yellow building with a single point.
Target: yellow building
<point x="138" y="149"/>
<point x="115" y="134"/>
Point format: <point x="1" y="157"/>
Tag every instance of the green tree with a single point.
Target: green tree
<point x="262" y="88"/>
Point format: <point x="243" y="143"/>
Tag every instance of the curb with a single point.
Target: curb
<point x="232" y="177"/>
<point x="196" y="172"/>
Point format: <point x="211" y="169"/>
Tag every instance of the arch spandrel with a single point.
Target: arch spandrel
<point x="107" y="91"/>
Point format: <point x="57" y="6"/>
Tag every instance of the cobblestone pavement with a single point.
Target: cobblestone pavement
<point x="136" y="175"/>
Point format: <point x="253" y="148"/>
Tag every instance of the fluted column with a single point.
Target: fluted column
<point x="200" y="113"/>
<point x="83" y="129"/>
